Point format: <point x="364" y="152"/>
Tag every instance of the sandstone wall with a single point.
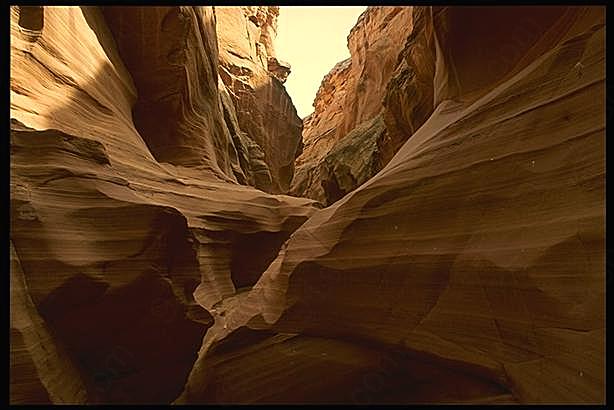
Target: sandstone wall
<point x="478" y="249"/>
<point x="127" y="216"/>
<point x="254" y="79"/>
<point x="391" y="52"/>
<point x="469" y="268"/>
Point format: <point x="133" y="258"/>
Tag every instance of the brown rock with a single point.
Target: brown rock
<point x="259" y="367"/>
<point x="279" y="69"/>
<point x="350" y="162"/>
<point x="322" y="126"/>
<point x="358" y="90"/>
<point x="254" y="77"/>
<point x="468" y="269"/>
<point x="115" y="225"/>
<point x="177" y="111"/>
<point x="40" y="369"/>
<point x="481" y="243"/>
<point x="408" y="100"/>
<point x="374" y="46"/>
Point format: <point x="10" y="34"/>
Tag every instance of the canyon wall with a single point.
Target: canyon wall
<point x="254" y="76"/>
<point x="462" y="260"/>
<point x="128" y="213"/>
<point x="370" y="103"/>
<point x="470" y="269"/>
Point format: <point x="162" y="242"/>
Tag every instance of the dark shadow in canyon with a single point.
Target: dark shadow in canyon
<point x="129" y="324"/>
<point x="31" y="17"/>
<point x="313" y="369"/>
<point x="250" y="254"/>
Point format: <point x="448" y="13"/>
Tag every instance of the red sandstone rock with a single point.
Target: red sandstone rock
<point x="468" y="269"/>
<point x="480" y="245"/>
<point x="253" y="76"/>
<point x="114" y="225"/>
<point x="381" y="79"/>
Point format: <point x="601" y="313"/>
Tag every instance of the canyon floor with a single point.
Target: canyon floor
<point x="434" y="232"/>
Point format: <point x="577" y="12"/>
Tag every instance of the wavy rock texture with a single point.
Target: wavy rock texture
<point x="469" y="268"/>
<point x="126" y="214"/>
<point x="381" y="79"/>
<point x="254" y="77"/>
<point x="478" y="249"/>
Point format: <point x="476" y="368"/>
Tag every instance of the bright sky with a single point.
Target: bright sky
<point x="312" y="39"/>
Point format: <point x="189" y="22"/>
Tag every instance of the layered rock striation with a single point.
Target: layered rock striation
<point x="478" y="249"/>
<point x="128" y="211"/>
<point x="468" y="268"/>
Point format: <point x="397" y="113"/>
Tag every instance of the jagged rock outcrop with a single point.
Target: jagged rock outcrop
<point x="374" y="48"/>
<point x="127" y="212"/>
<point x="279" y="69"/>
<point x="321" y="128"/>
<point x="366" y="86"/>
<point x="349" y="162"/>
<point x="409" y="97"/>
<point x="254" y="76"/>
<point x="478" y="248"/>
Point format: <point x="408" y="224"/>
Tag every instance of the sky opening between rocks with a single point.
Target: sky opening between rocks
<point x="312" y="39"/>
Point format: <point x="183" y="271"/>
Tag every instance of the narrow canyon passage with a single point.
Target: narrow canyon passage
<point x="432" y="233"/>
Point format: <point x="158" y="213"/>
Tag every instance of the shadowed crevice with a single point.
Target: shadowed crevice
<point x="31" y="17"/>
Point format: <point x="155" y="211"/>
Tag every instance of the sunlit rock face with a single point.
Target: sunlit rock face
<point x="254" y="76"/>
<point x="128" y="212"/>
<point x="389" y="75"/>
<point x="462" y="260"/>
<point x="478" y="248"/>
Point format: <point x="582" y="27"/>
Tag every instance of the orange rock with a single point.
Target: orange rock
<point x="362" y="104"/>
<point x="253" y="76"/>
<point x="123" y="233"/>
<point x="480" y="245"/>
<point x="461" y="262"/>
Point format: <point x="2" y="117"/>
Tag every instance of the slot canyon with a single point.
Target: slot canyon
<point x="432" y="233"/>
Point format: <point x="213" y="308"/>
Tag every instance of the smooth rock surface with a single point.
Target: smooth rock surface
<point x="462" y="260"/>
<point x="481" y="243"/>
<point x="114" y="236"/>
